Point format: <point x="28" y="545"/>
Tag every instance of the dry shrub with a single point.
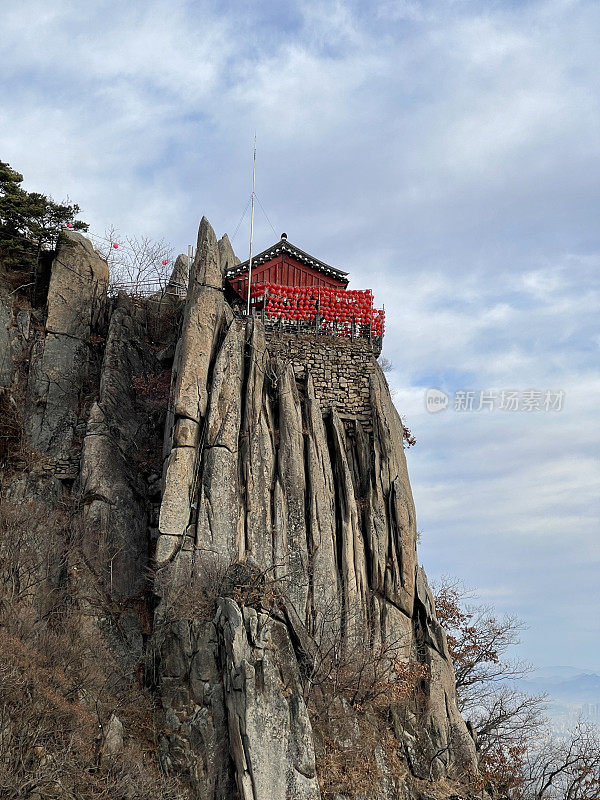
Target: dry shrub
<point x="366" y="675"/>
<point x="165" y="318"/>
<point x="147" y="455"/>
<point x="192" y="596"/>
<point x="13" y="453"/>
<point x="10" y="428"/>
<point x="250" y="586"/>
<point x="349" y="747"/>
<point x="351" y="691"/>
<point x="348" y="766"/>
<point x="22" y="282"/>
<point x="31" y="553"/>
<point x="154" y="390"/>
<point x="502" y="768"/>
<point x="195" y="598"/>
<point x="60" y="682"/>
<point x="409" y="440"/>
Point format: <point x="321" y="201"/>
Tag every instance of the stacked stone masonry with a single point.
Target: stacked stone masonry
<point x="341" y="369"/>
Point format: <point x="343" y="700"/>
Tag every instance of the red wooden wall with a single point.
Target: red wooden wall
<point x="286" y="271"/>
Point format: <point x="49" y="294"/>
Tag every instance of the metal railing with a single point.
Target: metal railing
<point x="147" y="288"/>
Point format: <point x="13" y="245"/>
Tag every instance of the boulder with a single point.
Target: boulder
<point x="78" y="284"/>
<point x="179" y="276"/>
<point x="112" y="742"/>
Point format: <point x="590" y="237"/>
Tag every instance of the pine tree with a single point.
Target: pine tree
<point x="30" y="222"/>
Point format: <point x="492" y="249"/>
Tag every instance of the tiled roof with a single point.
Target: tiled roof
<point x="283" y="246"/>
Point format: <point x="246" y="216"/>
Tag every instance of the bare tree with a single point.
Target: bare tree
<point x="139" y="265"/>
<point x="478" y="641"/>
<point x="519" y="758"/>
<point x="503" y="718"/>
<point x="507" y="717"/>
<point x="564" y="768"/>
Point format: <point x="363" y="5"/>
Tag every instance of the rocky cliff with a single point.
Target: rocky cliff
<point x="245" y="541"/>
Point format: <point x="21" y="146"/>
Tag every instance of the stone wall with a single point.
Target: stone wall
<point x="340" y="368"/>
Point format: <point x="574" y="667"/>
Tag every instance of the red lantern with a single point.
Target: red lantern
<point x="164" y="262"/>
<point x="115" y="245"/>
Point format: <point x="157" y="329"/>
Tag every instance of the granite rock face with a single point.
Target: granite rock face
<point x="6" y="362"/>
<point x="235" y="717"/>
<point x="180" y="274"/>
<point x="260" y="472"/>
<point x="202" y="325"/>
<point x="16" y="337"/>
<point x="282" y="520"/>
<point x="60" y="361"/>
<point x="226" y="255"/>
<point x="269" y="729"/>
<point x="113" y="492"/>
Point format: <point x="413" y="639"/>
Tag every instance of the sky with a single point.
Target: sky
<point x="446" y="153"/>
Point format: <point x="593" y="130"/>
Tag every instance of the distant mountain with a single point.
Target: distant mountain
<point x="565" y="683"/>
<point x="561" y="672"/>
<point x="572" y="694"/>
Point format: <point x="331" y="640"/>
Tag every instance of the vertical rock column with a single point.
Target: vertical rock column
<point x="291" y="551"/>
<point x="269" y="729"/>
<point x="325" y="582"/>
<point x="219" y="529"/>
<point x="76" y="299"/>
<point x="258" y="453"/>
<point x="203" y="320"/>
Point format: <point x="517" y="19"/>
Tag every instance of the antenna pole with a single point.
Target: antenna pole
<point x="251" y="224"/>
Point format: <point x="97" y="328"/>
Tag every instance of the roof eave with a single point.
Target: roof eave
<point x="284" y="246"/>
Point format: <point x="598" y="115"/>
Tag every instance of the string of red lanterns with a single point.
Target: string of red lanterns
<point x="337" y="309"/>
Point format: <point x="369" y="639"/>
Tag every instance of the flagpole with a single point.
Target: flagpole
<point x="251" y="225"/>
